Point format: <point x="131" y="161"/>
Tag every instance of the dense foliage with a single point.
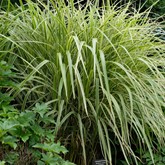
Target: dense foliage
<point x="91" y="78"/>
<point x="157" y="6"/>
<point x="27" y="136"/>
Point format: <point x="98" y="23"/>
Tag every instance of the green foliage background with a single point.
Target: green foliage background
<point x="158" y="7"/>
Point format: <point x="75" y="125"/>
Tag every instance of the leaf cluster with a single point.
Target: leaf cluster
<point x="29" y="130"/>
<point x="29" y="135"/>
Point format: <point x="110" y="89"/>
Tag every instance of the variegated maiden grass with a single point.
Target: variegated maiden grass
<point x="98" y="70"/>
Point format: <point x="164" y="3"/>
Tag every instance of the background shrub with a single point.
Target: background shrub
<point x="158" y="6"/>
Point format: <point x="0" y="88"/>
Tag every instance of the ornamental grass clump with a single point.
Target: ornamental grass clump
<point x="100" y="69"/>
